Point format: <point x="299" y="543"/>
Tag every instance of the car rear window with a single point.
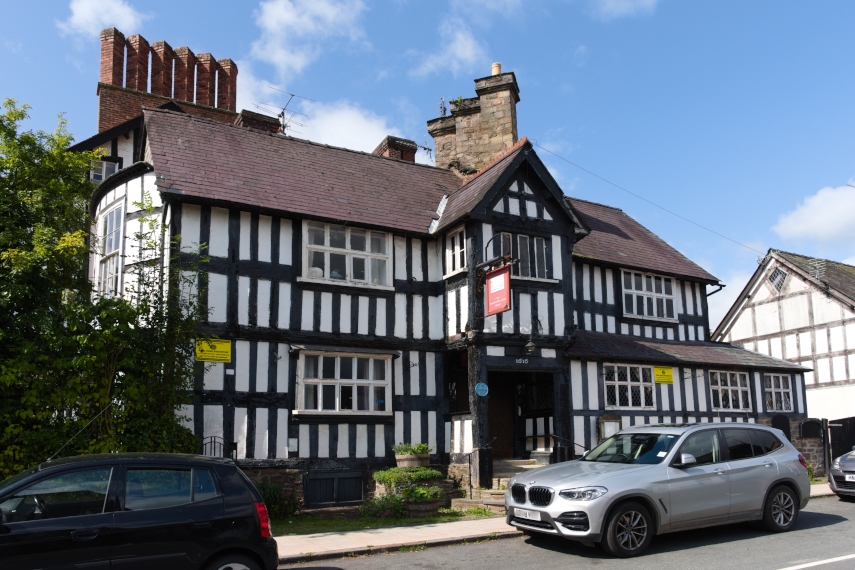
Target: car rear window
<point x="738" y="443"/>
<point x="764" y="442"/>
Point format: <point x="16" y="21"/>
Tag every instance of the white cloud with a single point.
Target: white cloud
<point x="719" y="304"/>
<point x="849" y="260"/>
<point x="611" y="9"/>
<point x="459" y="51"/>
<point x="501" y="7"/>
<point x="293" y="32"/>
<point x="580" y="56"/>
<point x="89" y="17"/>
<point x="344" y="124"/>
<point x="826" y="218"/>
<point x="253" y="90"/>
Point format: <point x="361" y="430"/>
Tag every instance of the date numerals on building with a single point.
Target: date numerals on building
<point x="522" y="360"/>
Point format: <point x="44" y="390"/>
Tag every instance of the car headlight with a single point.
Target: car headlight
<point x="583" y="493"/>
<point x="836" y="464"/>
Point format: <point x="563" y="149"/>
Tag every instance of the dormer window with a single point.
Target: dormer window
<point x="777" y="278"/>
<point x="102" y="169"/>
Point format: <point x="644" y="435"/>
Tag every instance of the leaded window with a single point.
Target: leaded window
<point x="777" y="278"/>
<point x="629" y="387"/>
<point x="779" y="394"/>
<point x="730" y="391"/>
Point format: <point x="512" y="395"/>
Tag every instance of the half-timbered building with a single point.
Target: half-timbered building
<point x="350" y="288"/>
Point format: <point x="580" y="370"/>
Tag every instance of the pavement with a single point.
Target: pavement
<point x="333" y="545"/>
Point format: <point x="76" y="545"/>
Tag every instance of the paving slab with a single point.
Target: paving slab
<point x="821" y="490"/>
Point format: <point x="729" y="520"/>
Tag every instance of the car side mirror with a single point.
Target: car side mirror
<point x="853" y="448"/>
<point x="686" y="460"/>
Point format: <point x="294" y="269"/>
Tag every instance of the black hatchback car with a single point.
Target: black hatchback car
<point x="135" y="511"/>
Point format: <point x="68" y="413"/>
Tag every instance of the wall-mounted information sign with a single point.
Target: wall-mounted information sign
<point x="663" y="374"/>
<point x="214" y="351"/>
<point x="498" y="290"/>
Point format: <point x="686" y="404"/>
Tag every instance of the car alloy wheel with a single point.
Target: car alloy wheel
<point x="631" y="530"/>
<point x="783" y="509"/>
<point x="234" y="566"/>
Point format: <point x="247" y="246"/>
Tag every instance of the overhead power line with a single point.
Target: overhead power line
<point x="646" y="200"/>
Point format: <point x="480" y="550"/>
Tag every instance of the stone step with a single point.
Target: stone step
<point x="514" y="462"/>
<point x="489" y="504"/>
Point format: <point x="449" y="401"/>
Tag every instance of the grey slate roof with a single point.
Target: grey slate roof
<point x="618" y="239"/>
<point x="838" y="275"/>
<point x="593" y="345"/>
<point x="210" y="160"/>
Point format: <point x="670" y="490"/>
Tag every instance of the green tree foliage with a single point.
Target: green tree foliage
<point x="68" y="355"/>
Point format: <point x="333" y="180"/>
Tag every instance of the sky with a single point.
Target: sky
<point x="735" y="115"/>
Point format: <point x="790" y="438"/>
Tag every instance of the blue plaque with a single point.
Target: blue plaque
<point x="481" y="389"/>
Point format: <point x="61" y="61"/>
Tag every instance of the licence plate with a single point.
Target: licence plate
<point x="524" y="514"/>
<point x="850" y="478"/>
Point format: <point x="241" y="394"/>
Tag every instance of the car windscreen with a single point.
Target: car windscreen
<point x="638" y="448"/>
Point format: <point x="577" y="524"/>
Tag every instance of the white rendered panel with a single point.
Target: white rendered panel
<point x="530" y="209"/>
<point x="558" y="305"/>
<point x="245" y="221"/>
<point x="434" y="267"/>
<point x="264" y="237"/>
<point x="399" y="428"/>
<point x="218" y="242"/>
<point x="282" y="362"/>
<point x="362" y="317"/>
<point x="514" y="206"/>
<point x="379" y="440"/>
<point x="467" y="436"/>
<point x="576" y="385"/>
<point x="191" y="219"/>
<point x="418" y="272"/>
<point x="593" y="384"/>
<point x="400" y="258"/>
<point x="495" y="351"/>
<point x="380" y="328"/>
<point x="212" y="421"/>
<point x="344" y="315"/>
<point x="430" y="373"/>
<point x="525" y="313"/>
<point x="418" y="324"/>
<point x="243" y="300"/>
<point x="432" y="429"/>
<point x="557" y="270"/>
<point x="218" y="289"/>
<point x="414" y="374"/>
<point x="702" y="391"/>
<point x="213" y="377"/>
<point x="281" y="434"/>
<point x="821" y="338"/>
<point x="343" y="446"/>
<point x="398" y="367"/>
<point x="326" y="312"/>
<point x="795" y="312"/>
<point x="284" y="321"/>
<point x="323" y="440"/>
<point x="678" y="388"/>
<point x="401" y="316"/>
<point x="508" y="321"/>
<point x="415" y="426"/>
<point x="242" y="365"/>
<point x="610" y="287"/>
<point x="452" y="313"/>
<point x="464" y="307"/>
<point x="240" y="432"/>
<point x="263" y="303"/>
<point x="543" y="310"/>
<point x="598" y="322"/>
<point x="261" y="433"/>
<point x="435" y="317"/>
<point x="586" y="282"/>
<point x="303" y="441"/>
<point x="285" y="236"/>
<point x="361" y="440"/>
<point x="598" y="285"/>
<point x="262" y="361"/>
<point x="578" y="433"/>
<point x="307" y="318"/>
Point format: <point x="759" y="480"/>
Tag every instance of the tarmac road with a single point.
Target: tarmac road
<point x="824" y="538"/>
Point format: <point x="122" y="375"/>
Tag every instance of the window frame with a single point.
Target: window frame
<point x="338" y="382"/>
<point x="629" y="383"/>
<point x="350" y="254"/>
<point x="112" y="258"/>
<point x="771" y="390"/>
<point x="102" y="166"/>
<point x="452" y="252"/>
<point x="83" y="469"/>
<point x="635" y="293"/>
<point x="730" y="388"/>
<point x="516" y="270"/>
<point x="777" y="278"/>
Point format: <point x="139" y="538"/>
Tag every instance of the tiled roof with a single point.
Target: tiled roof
<point x="464" y="200"/>
<point x="675" y="353"/>
<point x="212" y="160"/>
<point x="838" y="275"/>
<point x="617" y="238"/>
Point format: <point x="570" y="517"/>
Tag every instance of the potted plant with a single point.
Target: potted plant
<point x="408" y="455"/>
<point x="421" y="500"/>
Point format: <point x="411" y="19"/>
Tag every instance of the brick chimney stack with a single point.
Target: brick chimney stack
<point x="208" y="85"/>
<point x="112" y="57"/>
<point x="479" y="128"/>
<point x="394" y="147"/>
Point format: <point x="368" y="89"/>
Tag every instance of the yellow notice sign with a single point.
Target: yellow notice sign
<point x="663" y="375"/>
<point x="214" y="351"/>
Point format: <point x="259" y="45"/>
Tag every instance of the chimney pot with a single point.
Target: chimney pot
<point x="497" y="68"/>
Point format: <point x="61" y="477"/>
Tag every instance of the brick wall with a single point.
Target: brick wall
<point x="117" y="105"/>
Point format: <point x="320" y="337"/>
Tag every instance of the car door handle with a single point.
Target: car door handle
<point x="84" y="534"/>
<point x="202" y="524"/>
<point x="768" y="464"/>
<point x="719" y="471"/>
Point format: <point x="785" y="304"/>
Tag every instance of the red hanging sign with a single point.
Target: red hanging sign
<point x="498" y="290"/>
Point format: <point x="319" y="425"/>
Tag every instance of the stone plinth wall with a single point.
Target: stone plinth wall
<point x="450" y="487"/>
<point x="810" y="447"/>
<point x="291" y="478"/>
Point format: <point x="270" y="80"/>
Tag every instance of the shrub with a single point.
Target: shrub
<point x="280" y="502"/>
<point x="399" y="476"/>
<point x="810" y="473"/>
<point x="385" y="507"/>
<point x="410" y="449"/>
<point x="419" y="493"/>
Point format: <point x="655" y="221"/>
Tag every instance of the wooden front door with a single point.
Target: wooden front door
<point x="501" y="414"/>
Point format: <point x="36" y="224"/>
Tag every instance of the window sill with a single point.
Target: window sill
<point x="453" y="273"/>
<point x="618" y="408"/>
<point x="731" y="411"/>
<point x="340" y="283"/>
<point x="326" y="416"/>
<point x="535" y="279"/>
<point x="652" y="319"/>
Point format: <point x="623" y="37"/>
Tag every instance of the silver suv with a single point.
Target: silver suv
<point x="654" y="479"/>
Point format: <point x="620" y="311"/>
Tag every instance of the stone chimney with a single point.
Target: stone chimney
<point x="479" y="128"/>
<point x="209" y="85"/>
<point x="394" y="147"/>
